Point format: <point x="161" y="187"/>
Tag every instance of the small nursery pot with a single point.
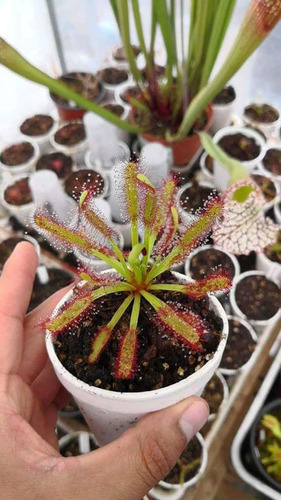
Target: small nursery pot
<point x="246" y="324"/>
<point x="188" y="217"/>
<point x="76" y="150"/>
<point x="264" y="168"/>
<point x="122" y="155"/>
<point x="188" y="484"/>
<point x="269" y="129"/>
<point x="232" y="257"/>
<point x="225" y="388"/>
<point x="207" y="173"/>
<point x="122" y="62"/>
<point x="110" y="413"/>
<point x="221" y="176"/>
<point x="237" y="311"/>
<point x="267" y="409"/>
<point x="259" y="174"/>
<point x="222" y="114"/>
<point x="22" y="212"/>
<point x="77" y="174"/>
<point x="110" y="88"/>
<point x="118" y="94"/>
<point x="22" y="168"/>
<point x="43" y="140"/>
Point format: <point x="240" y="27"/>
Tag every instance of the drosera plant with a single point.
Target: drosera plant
<point x="139" y="274"/>
<point x="271" y="453"/>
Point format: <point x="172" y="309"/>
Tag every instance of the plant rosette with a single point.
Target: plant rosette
<point x="233" y="264"/>
<point x="22" y="211"/>
<point x="270" y="188"/>
<point x="217" y="379"/>
<point x="253" y="336"/>
<point x="112" y="78"/>
<point x="254" y="114"/>
<point x="252" y="139"/>
<point x="200" y="470"/>
<point x="258" y="324"/>
<point x="68" y="144"/>
<point x="268" y="165"/>
<point x="223" y="108"/>
<point x="30" y="129"/>
<point x="23" y="167"/>
<point x="122" y="155"/>
<point x="207" y="189"/>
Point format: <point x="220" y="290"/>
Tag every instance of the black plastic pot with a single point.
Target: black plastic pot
<point x="253" y="448"/>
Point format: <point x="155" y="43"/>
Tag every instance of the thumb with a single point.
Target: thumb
<point x="130" y="466"/>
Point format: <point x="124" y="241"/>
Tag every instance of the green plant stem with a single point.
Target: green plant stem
<point x="152" y="31"/>
<point x="135" y="312"/>
<point x="120" y="311"/>
<point x="163" y="19"/>
<point x="115" y="264"/>
<point x="125" y="33"/>
<point x="10" y="58"/>
<point x="138" y="24"/>
<point x="119" y="255"/>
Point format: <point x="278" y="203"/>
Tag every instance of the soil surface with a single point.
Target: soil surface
<point x="213" y="394"/>
<point x="120" y="55"/>
<point x="71" y="134"/>
<point x="258" y="297"/>
<point x="267" y="186"/>
<point x="58" y="162"/>
<point x="6" y="248"/>
<point x="37" y="125"/>
<point x="117" y="109"/>
<point x="129" y="93"/>
<point x="58" y="278"/>
<point x="162" y="358"/>
<point x="240" y="146"/>
<point x="85" y="84"/>
<point x="113" y="76"/>
<point x="195" y="196"/>
<point x="205" y="262"/>
<point x="263" y="113"/>
<point x="272" y="161"/>
<point x="77" y="182"/>
<point x="18" y="193"/>
<point x="17" y="154"/>
<point x="72" y="449"/>
<point x="239" y="348"/>
<point x="192" y="453"/>
<point x="226" y="95"/>
<point x="273" y="252"/>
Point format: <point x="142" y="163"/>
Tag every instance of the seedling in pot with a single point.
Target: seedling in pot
<point x="137" y="285"/>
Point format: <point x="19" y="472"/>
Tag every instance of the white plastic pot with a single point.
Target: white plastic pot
<point x="122" y="135"/>
<point x="111" y="88"/>
<point x="221" y="175"/>
<point x="119" y="91"/>
<point x="268" y="129"/>
<point x="264" y="173"/>
<point x="42" y="141"/>
<point x="208" y="247"/>
<point x="209" y="176"/>
<point x="263" y="167"/>
<point x="104" y="193"/>
<point x="22" y="168"/>
<point x="188" y="484"/>
<point x="257" y="324"/>
<point x="277" y="210"/>
<point x="77" y="151"/>
<point x="110" y="413"/>
<point x="22" y="212"/>
<point x="269" y="267"/>
<point x="222" y="114"/>
<point x="221" y="378"/>
<point x="188" y="217"/>
<point x="157" y="159"/>
<point x="246" y="324"/>
<point x="123" y="154"/>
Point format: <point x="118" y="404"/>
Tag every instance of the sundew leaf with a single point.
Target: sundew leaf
<point x="199" y="288"/>
<point x="94" y="216"/>
<point x="165" y="201"/>
<point x="127" y="355"/>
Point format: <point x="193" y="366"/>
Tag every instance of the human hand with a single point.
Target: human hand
<point x="31" y="467"/>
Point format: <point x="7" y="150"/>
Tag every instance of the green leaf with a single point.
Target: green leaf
<point x="241" y="194"/>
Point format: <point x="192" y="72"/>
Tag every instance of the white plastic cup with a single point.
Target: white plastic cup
<point x="221" y="175"/>
<point x="43" y="141"/>
<point x="268" y="129"/>
<point x="119" y="91"/>
<point x="22" y="212"/>
<point x="77" y="151"/>
<point x="157" y="159"/>
<point x="110" y="413"/>
<point x="257" y="324"/>
<point x="264" y="173"/>
<point x="111" y="88"/>
<point x="106" y="162"/>
<point x="264" y="169"/>
<point x="222" y="114"/>
<point x="248" y="364"/>
<point x="209" y="176"/>
<point x="22" y="168"/>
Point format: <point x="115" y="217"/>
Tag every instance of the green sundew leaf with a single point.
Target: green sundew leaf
<point x="241" y="194"/>
<point x="145" y="180"/>
<point x="135" y="253"/>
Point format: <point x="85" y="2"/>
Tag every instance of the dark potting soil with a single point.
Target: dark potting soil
<point x="263" y="113"/>
<point x="162" y="358"/>
<point x="272" y="161"/>
<point x="17" y="154"/>
<point x="191" y="453"/>
<point x="240" y="146"/>
<point x="6" y="248"/>
<point x="195" y="196"/>
<point x="18" y="193"/>
<point x="85" y="84"/>
<point x="58" y="278"/>
<point x="226" y="95"/>
<point x="247" y="262"/>
<point x="70" y="134"/>
<point x="117" y="109"/>
<point x="37" y="125"/>
<point x="120" y="55"/>
<point x="113" y="76"/>
<point x="273" y="252"/>
<point x="258" y="297"/>
<point x="239" y="348"/>
<point x="77" y="182"/>
<point x="129" y="93"/>
<point x="72" y="449"/>
<point x="213" y="394"/>
<point x="58" y="162"/>
<point x="205" y="262"/>
<point x="209" y="164"/>
<point x="267" y="186"/>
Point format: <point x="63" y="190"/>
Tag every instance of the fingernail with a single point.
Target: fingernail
<point x="193" y="418"/>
